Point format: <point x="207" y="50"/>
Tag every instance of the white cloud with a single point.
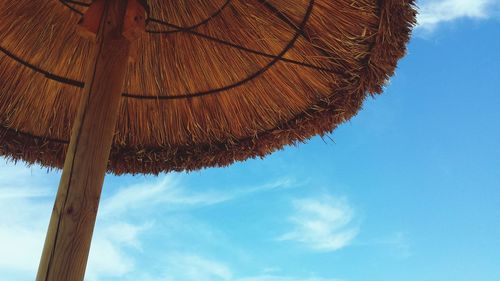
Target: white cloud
<point x="26" y="199"/>
<point x="107" y="259"/>
<point x="322" y="224"/>
<point x="435" y="12"/>
<point x="115" y="231"/>
<point x="108" y="256"/>
<point x="189" y="267"/>
<point x="23" y="218"/>
<point x="284" y="278"/>
<point x="21" y="247"/>
<point x="192" y="267"/>
<point x="168" y="192"/>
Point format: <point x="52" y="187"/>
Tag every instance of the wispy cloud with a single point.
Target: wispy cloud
<point x="23" y="218"/>
<point x="322" y="224"/>
<point x="284" y="278"/>
<point x="193" y="267"/>
<point x="187" y="267"/>
<point x="170" y="192"/>
<point x="109" y="256"/>
<point x="118" y="233"/>
<point x="435" y="12"/>
<point x="26" y="199"/>
<point x="166" y="191"/>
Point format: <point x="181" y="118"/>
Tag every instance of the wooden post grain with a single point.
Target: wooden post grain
<point x="72" y="222"/>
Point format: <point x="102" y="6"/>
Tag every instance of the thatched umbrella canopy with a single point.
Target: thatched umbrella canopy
<point x="208" y="82"/>
<point x="213" y="82"/>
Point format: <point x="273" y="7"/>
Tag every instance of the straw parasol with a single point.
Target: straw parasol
<point x="131" y="86"/>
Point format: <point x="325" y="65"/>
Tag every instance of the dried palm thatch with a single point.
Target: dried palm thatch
<point x="214" y="81"/>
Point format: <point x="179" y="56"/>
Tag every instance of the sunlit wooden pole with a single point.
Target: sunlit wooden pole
<point x="69" y="235"/>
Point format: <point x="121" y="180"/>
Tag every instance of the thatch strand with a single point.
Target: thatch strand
<point x="215" y="81"/>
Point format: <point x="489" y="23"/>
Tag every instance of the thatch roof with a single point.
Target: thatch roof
<point x="215" y="81"/>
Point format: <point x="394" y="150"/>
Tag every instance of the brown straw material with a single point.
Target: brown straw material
<point x="215" y="81"/>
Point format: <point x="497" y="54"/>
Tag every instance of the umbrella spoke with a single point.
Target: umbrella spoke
<point x="219" y="48"/>
<point x="242" y="48"/>
<point x="244" y="81"/>
<point x="73" y="9"/>
<point x="77" y="3"/>
<point x="276" y="58"/>
<point x="48" y="74"/>
<point x="191" y="30"/>
<point x="187" y="28"/>
<point x="286" y="19"/>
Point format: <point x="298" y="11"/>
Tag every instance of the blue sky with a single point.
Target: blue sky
<point x="407" y="190"/>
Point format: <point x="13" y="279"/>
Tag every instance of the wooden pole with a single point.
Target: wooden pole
<point x="67" y="244"/>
